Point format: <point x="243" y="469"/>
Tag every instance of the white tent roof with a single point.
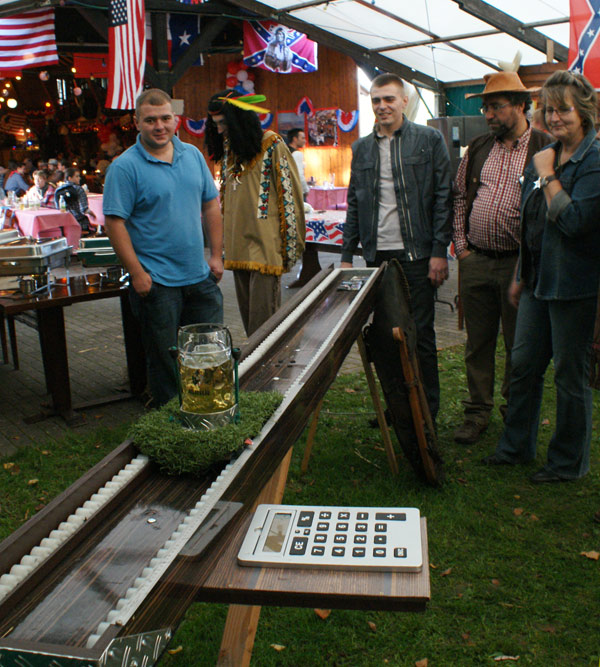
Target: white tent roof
<point x="432" y="42"/>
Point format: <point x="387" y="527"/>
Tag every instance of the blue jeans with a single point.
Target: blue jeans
<point x="160" y="314"/>
<point x="422" y="301"/>
<point x="561" y="330"/>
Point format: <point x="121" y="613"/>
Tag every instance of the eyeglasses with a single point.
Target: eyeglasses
<point x="494" y="106"/>
<point x="560" y="112"/>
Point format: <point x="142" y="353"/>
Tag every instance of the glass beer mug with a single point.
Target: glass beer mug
<point x="206" y="375"/>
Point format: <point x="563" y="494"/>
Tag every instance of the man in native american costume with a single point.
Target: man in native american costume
<point x="261" y="200"/>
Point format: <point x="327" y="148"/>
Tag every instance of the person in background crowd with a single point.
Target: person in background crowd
<point x="3" y="172"/>
<point x="296" y="142"/>
<point x="52" y="165"/>
<point x="41" y="191"/>
<point x="75" y="198"/>
<point x="16" y="181"/>
<point x="399" y="206"/>
<point x="157" y="196"/>
<point x="487" y="194"/>
<point x="556" y="286"/>
<point x="262" y="205"/>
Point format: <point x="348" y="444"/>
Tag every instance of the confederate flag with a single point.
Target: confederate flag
<point x="274" y="47"/>
<point x="584" y="47"/>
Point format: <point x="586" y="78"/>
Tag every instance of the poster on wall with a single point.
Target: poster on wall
<point x="322" y="128"/>
<point x="289" y="120"/>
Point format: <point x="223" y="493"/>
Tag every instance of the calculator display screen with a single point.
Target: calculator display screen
<point x="277" y="532"/>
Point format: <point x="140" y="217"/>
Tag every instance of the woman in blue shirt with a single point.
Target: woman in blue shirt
<point x="557" y="285"/>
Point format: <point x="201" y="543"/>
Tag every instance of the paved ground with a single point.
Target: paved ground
<point x="97" y="363"/>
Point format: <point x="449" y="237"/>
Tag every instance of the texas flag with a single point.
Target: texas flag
<point x="272" y="46"/>
<point x="182" y="30"/>
<point x="584" y="45"/>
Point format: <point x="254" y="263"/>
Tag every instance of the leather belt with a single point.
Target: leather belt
<point x="493" y="254"/>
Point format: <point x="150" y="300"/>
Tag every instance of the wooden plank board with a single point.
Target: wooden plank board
<point x="330" y="589"/>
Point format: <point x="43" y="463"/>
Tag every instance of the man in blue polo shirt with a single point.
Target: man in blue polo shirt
<point x="156" y="196"/>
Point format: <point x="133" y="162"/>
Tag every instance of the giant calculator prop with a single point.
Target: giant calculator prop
<point x="349" y="538"/>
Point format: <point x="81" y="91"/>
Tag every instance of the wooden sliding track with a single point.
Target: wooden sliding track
<point x="106" y="571"/>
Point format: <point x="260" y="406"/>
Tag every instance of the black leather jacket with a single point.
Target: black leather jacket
<point x="421" y="168"/>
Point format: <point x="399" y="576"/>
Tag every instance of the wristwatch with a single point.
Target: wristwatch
<point x="544" y="180"/>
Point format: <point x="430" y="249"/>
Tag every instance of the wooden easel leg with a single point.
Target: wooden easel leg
<point x="242" y="620"/>
<point x="310" y="438"/>
<point x="421" y="415"/>
<point x="385" y="432"/>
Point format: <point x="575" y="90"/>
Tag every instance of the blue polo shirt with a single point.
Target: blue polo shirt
<point x="161" y="204"/>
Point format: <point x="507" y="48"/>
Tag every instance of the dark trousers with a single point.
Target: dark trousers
<point x="562" y="331"/>
<point x="484" y="284"/>
<point x="422" y="300"/>
<point x="160" y="314"/>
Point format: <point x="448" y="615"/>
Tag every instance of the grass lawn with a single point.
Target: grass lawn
<point x="508" y="576"/>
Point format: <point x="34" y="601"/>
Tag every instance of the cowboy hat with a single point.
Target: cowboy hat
<point x="502" y="82"/>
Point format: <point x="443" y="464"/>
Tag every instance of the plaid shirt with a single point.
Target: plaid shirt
<point x="494" y="223"/>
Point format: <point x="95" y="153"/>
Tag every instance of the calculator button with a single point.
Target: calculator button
<point x="340" y="539"/>
<point x="341" y="526"/>
<point x="390" y="516"/>
<point x="324" y="515"/>
<point x="298" y="547"/>
<point x="379" y="552"/>
<point x="381" y="527"/>
<point x="306" y="531"/>
<point x="323" y="526"/>
<point x="305" y="519"/>
<point x="380" y="539"/>
<point x="338" y="551"/>
<point x="360" y="527"/>
<point x="320" y="537"/>
<point x="360" y="539"/>
<point x="317" y="551"/>
<point x="400" y="552"/>
<point x="344" y="516"/>
<point x="359" y="552"/>
<point x="362" y="516"/>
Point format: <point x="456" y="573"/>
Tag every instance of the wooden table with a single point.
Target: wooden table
<point x="49" y="311"/>
<point x="324" y="231"/>
<point x="48" y="222"/>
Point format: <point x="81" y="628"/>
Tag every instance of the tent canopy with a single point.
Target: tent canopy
<point x="432" y="43"/>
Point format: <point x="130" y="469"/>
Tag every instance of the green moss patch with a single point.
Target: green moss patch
<point x="179" y="450"/>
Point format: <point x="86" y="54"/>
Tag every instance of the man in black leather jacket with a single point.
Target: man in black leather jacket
<point x="400" y="206"/>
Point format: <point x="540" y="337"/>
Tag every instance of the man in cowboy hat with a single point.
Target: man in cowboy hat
<point x="487" y="198"/>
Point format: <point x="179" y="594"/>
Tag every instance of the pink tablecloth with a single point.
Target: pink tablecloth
<point x="49" y="222"/>
<point x="95" y="204"/>
<point x="327" y="198"/>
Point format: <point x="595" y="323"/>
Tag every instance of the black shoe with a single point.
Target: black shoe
<point x="468" y="433"/>
<point x="374" y="422"/>
<point x="544" y="476"/>
<point x="495" y="460"/>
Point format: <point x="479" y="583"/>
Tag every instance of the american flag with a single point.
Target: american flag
<point x="321" y="230"/>
<point x="27" y="40"/>
<point x="126" y="53"/>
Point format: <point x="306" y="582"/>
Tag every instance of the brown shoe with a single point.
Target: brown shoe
<point x="469" y="432"/>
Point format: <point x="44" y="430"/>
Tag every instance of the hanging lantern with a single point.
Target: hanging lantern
<point x="77" y="91"/>
<point x="11" y="103"/>
<point x="44" y="76"/>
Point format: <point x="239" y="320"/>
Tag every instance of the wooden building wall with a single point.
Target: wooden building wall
<point x="334" y="85"/>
